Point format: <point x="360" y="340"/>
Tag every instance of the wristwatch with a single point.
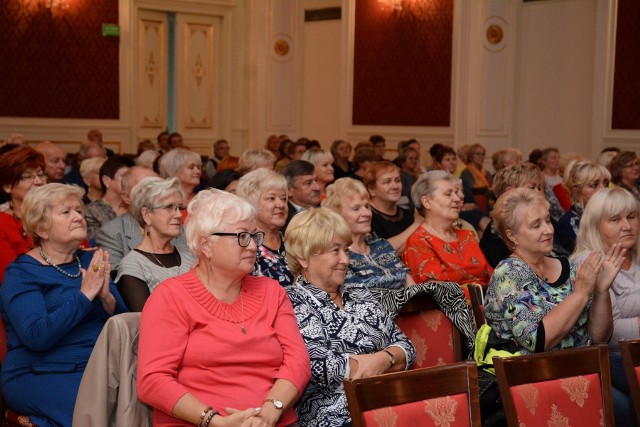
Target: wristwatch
<point x="277" y="403"/>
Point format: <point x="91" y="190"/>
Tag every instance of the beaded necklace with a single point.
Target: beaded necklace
<point x="48" y="261"/>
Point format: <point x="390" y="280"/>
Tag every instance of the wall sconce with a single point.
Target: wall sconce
<point x="395" y="5"/>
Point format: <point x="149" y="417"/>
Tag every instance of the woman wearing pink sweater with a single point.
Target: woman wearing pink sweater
<point x="217" y="345"/>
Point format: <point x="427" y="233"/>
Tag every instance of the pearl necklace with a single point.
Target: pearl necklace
<point x="48" y="261"/>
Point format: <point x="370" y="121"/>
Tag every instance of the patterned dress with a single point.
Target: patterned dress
<point x="517" y="300"/>
<point x="380" y="268"/>
<point x="331" y="335"/>
<point x="431" y="258"/>
<point x="273" y="264"/>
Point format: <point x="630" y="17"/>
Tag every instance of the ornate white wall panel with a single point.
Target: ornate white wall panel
<point x="198" y="75"/>
<point x="152" y="70"/>
<point x="282" y="77"/>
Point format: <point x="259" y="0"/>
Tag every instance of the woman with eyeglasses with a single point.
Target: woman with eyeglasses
<point x="157" y="206"/>
<point x="219" y="346"/>
<point x="22" y="170"/>
<point x="625" y="172"/>
<point x="267" y="191"/>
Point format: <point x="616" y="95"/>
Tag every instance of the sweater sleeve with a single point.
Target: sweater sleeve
<point x="164" y="333"/>
<point x="624" y="327"/>
<point x="111" y="241"/>
<point x="38" y="326"/>
<point x="296" y="366"/>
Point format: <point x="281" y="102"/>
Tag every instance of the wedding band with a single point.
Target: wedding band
<point x="96" y="267"/>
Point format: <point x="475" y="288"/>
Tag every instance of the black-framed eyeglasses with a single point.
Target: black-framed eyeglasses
<point x="171" y="207"/>
<point x="244" y="237"/>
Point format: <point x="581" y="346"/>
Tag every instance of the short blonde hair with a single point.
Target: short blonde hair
<point x="40" y="201"/>
<point x="211" y="211"/>
<point x="91" y="165"/>
<point x="174" y="161"/>
<point x="251" y="185"/>
<point x="343" y="187"/>
<point x="311" y="233"/>
<point x="504" y="212"/>
<point x="426" y="185"/>
<point x="604" y="205"/>
<point x="148" y="193"/>
<point x="254" y="159"/>
<point x="317" y="155"/>
<point x="580" y="173"/>
<point x="515" y="177"/>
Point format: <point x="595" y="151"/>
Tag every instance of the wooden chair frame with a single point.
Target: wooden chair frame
<point x="513" y="371"/>
<point x="630" y="359"/>
<point x="411" y="386"/>
<point x="424" y="302"/>
<point x="477" y="302"/>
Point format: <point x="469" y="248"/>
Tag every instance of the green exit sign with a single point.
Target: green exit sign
<point x="110" y="30"/>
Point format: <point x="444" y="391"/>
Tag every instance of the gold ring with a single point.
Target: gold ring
<point x="96" y="267"/>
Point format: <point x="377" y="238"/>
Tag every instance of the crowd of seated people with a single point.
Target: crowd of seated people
<point x="242" y="244"/>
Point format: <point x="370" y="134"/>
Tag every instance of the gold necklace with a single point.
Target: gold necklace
<point x="231" y="319"/>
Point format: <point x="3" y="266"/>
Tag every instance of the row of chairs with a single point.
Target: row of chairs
<point x="567" y="387"/>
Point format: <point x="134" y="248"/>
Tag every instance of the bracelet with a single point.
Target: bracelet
<point x="204" y="412"/>
<point x="212" y="414"/>
<point x="392" y="359"/>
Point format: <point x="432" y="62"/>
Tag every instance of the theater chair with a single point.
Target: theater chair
<point x="438" y="396"/>
<point x="631" y="359"/>
<point x="565" y="387"/>
<point x="436" y="339"/>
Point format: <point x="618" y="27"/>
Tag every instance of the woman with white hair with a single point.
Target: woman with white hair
<point x="219" y="346"/>
<point x="267" y="192"/>
<point x="323" y="162"/>
<point x="612" y="217"/>
<point x="90" y="173"/>
<point x="583" y="179"/>
<point x="157" y="206"/>
<point x="184" y="164"/>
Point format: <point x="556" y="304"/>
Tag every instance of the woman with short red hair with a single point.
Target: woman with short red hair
<point x="22" y="169"/>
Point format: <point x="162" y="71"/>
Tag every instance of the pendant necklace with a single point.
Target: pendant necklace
<point x="224" y="306"/>
<point x="48" y="261"/>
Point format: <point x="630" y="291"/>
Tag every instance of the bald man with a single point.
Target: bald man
<point x="54" y="160"/>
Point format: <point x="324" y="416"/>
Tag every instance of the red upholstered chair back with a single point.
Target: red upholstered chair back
<point x="631" y="359"/>
<point x="566" y="387"/>
<point x="437" y="396"/>
<point x="436" y="339"/>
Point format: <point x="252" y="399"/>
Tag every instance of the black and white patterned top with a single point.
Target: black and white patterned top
<point x="331" y="335"/>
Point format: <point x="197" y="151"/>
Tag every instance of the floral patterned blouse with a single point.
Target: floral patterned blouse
<point x="517" y="300"/>
<point x="273" y="264"/>
<point x="431" y="258"/>
<point x="380" y="268"/>
<point x="331" y="335"/>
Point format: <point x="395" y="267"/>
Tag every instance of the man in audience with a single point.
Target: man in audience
<point x="220" y="151"/>
<point x="163" y="142"/>
<point x="53" y="160"/>
<point x="122" y="234"/>
<point x="379" y="146"/>
<point x="304" y="190"/>
<point x="88" y="150"/>
<point x="95" y="135"/>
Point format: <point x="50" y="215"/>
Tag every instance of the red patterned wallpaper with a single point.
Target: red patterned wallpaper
<point x="402" y="63"/>
<point x="55" y="62"/>
<point x="626" y="84"/>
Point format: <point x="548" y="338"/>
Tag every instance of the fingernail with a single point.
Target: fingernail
<point x="258" y="409"/>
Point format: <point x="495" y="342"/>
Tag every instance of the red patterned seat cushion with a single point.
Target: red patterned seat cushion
<point x="431" y="333"/>
<point x="573" y="401"/>
<point x="446" y="411"/>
